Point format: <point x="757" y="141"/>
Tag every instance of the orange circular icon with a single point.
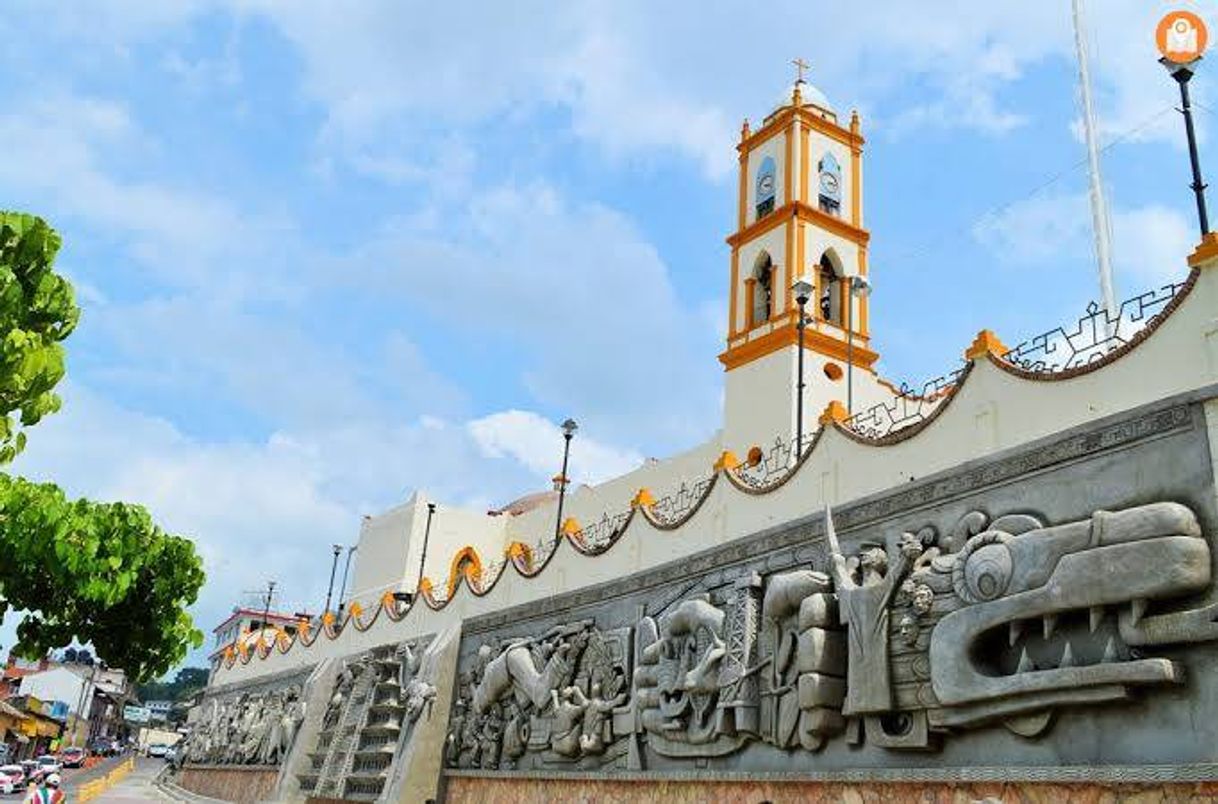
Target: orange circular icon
<point x="1181" y="36"/>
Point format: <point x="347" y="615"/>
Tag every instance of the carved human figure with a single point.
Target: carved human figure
<point x="923" y="599"/>
<point x="272" y="739"/>
<point x="293" y="716"/>
<point x="596" y="717"/>
<point x="515" y="731"/>
<point x="346" y="681"/>
<point x="468" y="751"/>
<point x="489" y="739"/>
<point x="418" y="694"/>
<point x="569" y="709"/>
<point x="863" y="608"/>
<point x="452" y="742"/>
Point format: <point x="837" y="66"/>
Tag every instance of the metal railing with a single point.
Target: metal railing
<point x="1096" y="334"/>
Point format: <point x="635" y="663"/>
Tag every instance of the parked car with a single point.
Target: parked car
<point x="73" y="757"/>
<point x="33" y="771"/>
<point x="50" y="764"/>
<point x="157" y="749"/>
<point x="103" y="747"/>
<point x="12" y="779"/>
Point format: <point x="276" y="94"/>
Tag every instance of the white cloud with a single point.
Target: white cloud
<point x="581" y="299"/>
<point x="536" y="442"/>
<point x="1150" y="242"/>
<point x="182" y="237"/>
<point x="269" y="509"/>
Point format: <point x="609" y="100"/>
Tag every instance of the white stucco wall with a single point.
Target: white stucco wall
<point x="992" y="411"/>
<point x="56" y="684"/>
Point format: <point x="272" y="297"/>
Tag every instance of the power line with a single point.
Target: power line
<point x="995" y="211"/>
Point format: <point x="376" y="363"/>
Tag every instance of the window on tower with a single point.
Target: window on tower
<point x="829" y="296"/>
<point x="765" y="188"/>
<point x="830" y="185"/>
<point x="763" y="289"/>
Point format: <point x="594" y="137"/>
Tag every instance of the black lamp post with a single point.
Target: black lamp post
<point x="1182" y="73"/>
<point x="431" y="510"/>
<point x="568" y="430"/>
<point x="338" y="548"/>
<point x="266" y="610"/>
<point x="342" y="587"/>
<point x="803" y="291"/>
<point x="859" y="288"/>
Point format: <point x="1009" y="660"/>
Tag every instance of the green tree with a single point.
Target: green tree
<point x="37" y="311"/>
<point x="98" y="573"/>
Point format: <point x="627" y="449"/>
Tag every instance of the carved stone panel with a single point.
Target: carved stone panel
<point x="376" y="699"/>
<point x="247" y="724"/>
<point x="1051" y="606"/>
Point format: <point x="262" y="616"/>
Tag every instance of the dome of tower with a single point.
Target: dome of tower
<point x="809" y="95"/>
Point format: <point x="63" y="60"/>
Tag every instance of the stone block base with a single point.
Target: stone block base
<point x="514" y="790"/>
<point x="229" y="783"/>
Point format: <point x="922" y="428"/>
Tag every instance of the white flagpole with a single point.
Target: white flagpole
<point x="1099" y="208"/>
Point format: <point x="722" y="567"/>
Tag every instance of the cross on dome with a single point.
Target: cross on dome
<point x="800" y="66"/>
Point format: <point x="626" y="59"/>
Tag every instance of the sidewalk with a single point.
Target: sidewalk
<point x="136" y="787"/>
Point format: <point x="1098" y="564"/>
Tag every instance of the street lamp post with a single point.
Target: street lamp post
<point x="338" y="548"/>
<point x="266" y="609"/>
<point x="803" y="291"/>
<point x="1183" y="73"/>
<point x="568" y="430"/>
<point x="859" y="288"/>
<point x="342" y="587"/>
<point x="431" y="510"/>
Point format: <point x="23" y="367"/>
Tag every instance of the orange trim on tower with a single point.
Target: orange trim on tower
<point x="791" y="267"/>
<point x="805" y="212"/>
<point x="787" y="335"/>
<point x="807" y="117"/>
<point x="750" y="283"/>
<point x="864" y="302"/>
<point x="742" y="212"/>
<point x="788" y="194"/>
<point x="732" y="294"/>
<point x="804" y="165"/>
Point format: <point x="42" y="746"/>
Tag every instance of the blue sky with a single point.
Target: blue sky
<point x="329" y="253"/>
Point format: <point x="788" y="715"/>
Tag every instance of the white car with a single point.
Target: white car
<point x="12" y="779"/>
<point x="157" y="749"/>
<point x="50" y="764"/>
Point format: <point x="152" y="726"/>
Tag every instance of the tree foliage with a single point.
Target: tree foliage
<point x="186" y="683"/>
<point x="101" y="573"/>
<point x="37" y="311"/>
<point x="97" y="573"/>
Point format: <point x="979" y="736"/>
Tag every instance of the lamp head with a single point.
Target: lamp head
<point x="569" y="427"/>
<point x="1180" y="70"/>
<point x="803" y="291"/>
<point x="338" y="548"/>
<point x="859" y="286"/>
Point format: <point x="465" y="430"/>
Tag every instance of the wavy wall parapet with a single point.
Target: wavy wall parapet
<point x="1145" y="321"/>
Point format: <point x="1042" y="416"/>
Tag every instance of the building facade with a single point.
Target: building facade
<point x="1003" y="583"/>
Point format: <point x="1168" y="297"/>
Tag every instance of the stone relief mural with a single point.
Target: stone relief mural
<point x="900" y="645"/>
<point x="558" y="698"/>
<point x="376" y="700"/>
<point x="250" y="728"/>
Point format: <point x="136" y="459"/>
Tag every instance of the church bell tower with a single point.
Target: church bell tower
<point x="799" y="216"/>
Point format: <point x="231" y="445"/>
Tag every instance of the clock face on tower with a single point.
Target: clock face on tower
<point x="765" y="186"/>
<point x="829" y="184"/>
